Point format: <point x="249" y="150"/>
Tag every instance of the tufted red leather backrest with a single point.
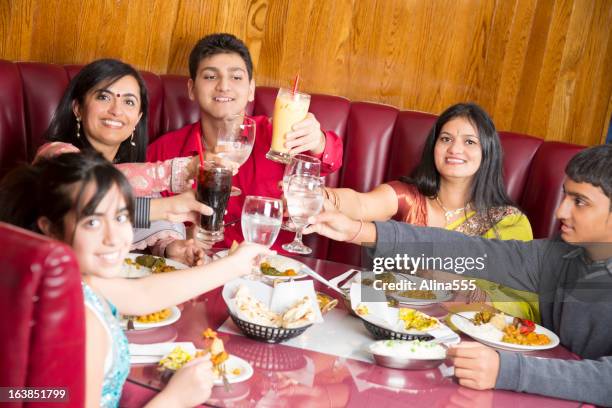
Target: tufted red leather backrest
<point x="178" y="109"/>
<point x="409" y="135"/>
<point x="544" y="188"/>
<point x="366" y="151"/>
<point x="13" y="139"/>
<point x="518" y="153"/>
<point x="42" y="329"/>
<point x="43" y="87"/>
<point x="156" y="92"/>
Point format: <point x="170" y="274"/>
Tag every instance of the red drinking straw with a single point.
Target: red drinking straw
<point x="200" y="152"/>
<point x="295" y="83"/>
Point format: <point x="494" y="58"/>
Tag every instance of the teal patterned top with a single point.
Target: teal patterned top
<point x="117" y="363"/>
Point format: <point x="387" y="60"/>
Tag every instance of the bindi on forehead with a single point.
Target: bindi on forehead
<point x="115" y="94"/>
<point x="121" y="94"/>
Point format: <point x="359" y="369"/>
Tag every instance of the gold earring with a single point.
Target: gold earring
<point x="132" y="139"/>
<point x="78" y="133"/>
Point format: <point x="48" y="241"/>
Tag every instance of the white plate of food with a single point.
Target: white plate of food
<point x="420" y="295"/>
<point x="161" y="318"/>
<point x="139" y="265"/>
<point x="502" y="332"/>
<point x="279" y="267"/>
<point x="404" y="323"/>
<point x="236" y="370"/>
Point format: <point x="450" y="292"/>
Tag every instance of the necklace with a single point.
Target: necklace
<point x="449" y="214"/>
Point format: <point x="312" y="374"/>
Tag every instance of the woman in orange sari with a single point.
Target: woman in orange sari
<point x="458" y="185"/>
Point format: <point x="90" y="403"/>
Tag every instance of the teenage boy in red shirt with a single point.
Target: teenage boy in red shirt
<point x="221" y="82"/>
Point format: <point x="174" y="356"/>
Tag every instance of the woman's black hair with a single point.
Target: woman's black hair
<point x="46" y="189"/>
<point x="63" y="127"/>
<point x="488" y="189"/>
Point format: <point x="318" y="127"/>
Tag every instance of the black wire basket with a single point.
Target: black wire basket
<point x="266" y="333"/>
<point x="380" y="333"/>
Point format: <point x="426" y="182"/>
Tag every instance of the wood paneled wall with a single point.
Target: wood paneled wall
<point x="542" y="67"/>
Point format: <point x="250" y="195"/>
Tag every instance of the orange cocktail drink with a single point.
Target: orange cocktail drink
<point x="290" y="108"/>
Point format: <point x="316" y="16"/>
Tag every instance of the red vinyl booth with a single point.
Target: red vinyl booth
<point x="380" y="142"/>
<point x="42" y="329"/>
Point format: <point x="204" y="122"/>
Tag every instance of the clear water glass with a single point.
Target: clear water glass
<point x="235" y="140"/>
<point x="299" y="165"/>
<point x="261" y="219"/>
<point x="304" y="197"/>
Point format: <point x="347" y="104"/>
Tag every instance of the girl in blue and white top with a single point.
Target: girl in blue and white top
<point x="88" y="205"/>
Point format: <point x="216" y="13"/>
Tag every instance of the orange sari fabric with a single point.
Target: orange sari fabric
<point x="411" y="205"/>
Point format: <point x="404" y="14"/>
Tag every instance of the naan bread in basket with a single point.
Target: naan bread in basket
<point x="252" y="310"/>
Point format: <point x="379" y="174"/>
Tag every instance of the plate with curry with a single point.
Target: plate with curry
<point x="139" y="265"/>
<point x="505" y="332"/>
<point x="283" y="268"/>
<point x="279" y="267"/>
<point x="164" y="317"/>
<point x="419" y="294"/>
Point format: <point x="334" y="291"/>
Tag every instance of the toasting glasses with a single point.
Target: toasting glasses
<point x="235" y="139"/>
<point x="261" y="219"/>
<point x="299" y="165"/>
<point x="304" y="197"/>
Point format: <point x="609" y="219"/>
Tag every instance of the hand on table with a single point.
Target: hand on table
<point x="476" y="365"/>
<point x="306" y="136"/>
<point x="186" y="251"/>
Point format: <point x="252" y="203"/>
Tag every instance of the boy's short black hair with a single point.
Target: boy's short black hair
<point x="220" y="43"/>
<point x="593" y="166"/>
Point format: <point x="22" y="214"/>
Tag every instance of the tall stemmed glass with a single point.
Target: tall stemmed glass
<point x="299" y="165"/>
<point x="304" y="197"/>
<point x="235" y="139"/>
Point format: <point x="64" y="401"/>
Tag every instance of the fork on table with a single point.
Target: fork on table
<point x="223" y="374"/>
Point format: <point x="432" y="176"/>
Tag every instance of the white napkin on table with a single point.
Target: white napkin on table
<point x="342" y="277"/>
<point x="152" y="353"/>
